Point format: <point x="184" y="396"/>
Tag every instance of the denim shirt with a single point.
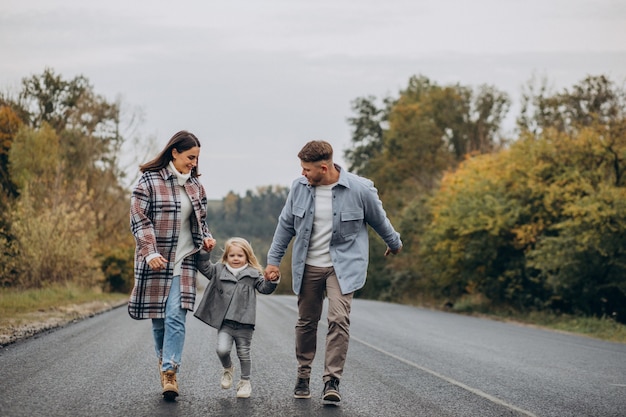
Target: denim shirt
<point x="355" y="204"/>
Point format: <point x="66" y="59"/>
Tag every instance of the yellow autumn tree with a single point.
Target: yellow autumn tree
<point x="540" y="225"/>
<point x="53" y="231"/>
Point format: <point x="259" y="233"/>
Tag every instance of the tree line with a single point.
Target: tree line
<point x="530" y="221"/>
<point x="63" y="203"/>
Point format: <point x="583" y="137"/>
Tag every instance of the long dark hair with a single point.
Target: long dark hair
<point x="181" y="141"/>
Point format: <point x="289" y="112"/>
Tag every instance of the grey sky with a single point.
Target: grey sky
<point x="257" y="79"/>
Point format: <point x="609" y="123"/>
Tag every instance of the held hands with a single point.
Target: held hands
<point x="208" y="244"/>
<point x="272" y="273"/>
<point x="394" y="252"/>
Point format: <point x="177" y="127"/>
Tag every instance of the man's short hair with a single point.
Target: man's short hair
<point x="316" y="150"/>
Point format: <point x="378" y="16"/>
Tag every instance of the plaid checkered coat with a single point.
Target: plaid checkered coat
<point x="155" y="223"/>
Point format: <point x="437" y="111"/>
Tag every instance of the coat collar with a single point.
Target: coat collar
<point x="248" y="271"/>
<point x="165" y="173"/>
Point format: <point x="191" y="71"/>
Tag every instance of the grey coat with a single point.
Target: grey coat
<point x="230" y="297"/>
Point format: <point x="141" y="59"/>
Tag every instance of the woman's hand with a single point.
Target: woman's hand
<point x="158" y="263"/>
<point x="209" y="244"/>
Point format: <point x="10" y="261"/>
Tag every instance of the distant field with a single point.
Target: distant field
<point x="214" y="204"/>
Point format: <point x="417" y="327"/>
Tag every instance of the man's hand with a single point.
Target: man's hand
<point x="392" y="251"/>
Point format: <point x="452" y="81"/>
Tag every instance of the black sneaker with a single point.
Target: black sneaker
<point x="331" y="391"/>
<point x="302" y="389"/>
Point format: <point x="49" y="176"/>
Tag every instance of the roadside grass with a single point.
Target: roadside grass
<point x="17" y="306"/>
<point x="604" y="328"/>
<point x="21" y="306"/>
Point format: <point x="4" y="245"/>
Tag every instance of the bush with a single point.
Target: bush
<point x="117" y="267"/>
<point x="52" y="244"/>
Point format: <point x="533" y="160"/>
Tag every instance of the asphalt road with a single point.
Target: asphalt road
<point x="403" y="361"/>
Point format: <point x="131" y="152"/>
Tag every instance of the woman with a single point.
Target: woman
<point x="168" y="221"/>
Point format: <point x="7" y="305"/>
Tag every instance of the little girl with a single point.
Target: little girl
<point x="229" y="305"/>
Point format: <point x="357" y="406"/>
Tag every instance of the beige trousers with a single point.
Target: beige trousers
<point x="317" y="281"/>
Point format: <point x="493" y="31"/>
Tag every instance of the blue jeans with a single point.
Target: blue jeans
<point x="169" y="333"/>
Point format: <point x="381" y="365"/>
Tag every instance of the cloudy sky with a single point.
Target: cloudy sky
<point x="256" y="79"/>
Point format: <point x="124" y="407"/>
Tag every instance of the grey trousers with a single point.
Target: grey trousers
<point x="317" y="281"/>
<point x="241" y="335"/>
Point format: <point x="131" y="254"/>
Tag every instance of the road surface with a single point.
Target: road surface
<point x="402" y="361"/>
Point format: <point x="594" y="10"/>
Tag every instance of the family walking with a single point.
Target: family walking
<point x="326" y="214"/>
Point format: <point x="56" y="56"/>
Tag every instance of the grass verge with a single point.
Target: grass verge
<point x="19" y="303"/>
<point x="604" y="328"/>
<point x="64" y="302"/>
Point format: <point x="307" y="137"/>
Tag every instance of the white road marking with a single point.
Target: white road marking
<point x="475" y="391"/>
<point x="447" y="379"/>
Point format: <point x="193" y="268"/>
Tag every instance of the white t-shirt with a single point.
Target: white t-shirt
<point x="319" y="246"/>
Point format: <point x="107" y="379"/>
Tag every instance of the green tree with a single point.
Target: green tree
<point x="253" y="216"/>
<point x="88" y="126"/>
<point x="52" y="230"/>
<point x="406" y="144"/>
<point x="36" y="164"/>
<point x="581" y="254"/>
<point x="367" y="132"/>
<point x="76" y="138"/>
<point x="10" y="123"/>
<point x="51" y="99"/>
<point x="537" y="226"/>
<point x="475" y="243"/>
<point x="594" y="101"/>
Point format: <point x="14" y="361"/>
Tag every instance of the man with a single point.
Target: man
<point x="327" y="211"/>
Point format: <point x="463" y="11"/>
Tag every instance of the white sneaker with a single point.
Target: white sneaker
<point x="227" y="377"/>
<point x="244" y="388"/>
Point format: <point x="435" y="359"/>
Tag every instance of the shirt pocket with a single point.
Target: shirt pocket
<point x="298" y="216"/>
<point x="351" y="222"/>
<point x="164" y="212"/>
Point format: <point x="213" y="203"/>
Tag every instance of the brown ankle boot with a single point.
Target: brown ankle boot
<point x="170" y="385"/>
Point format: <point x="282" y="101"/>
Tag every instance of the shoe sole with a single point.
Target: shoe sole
<point x="332" y="398"/>
<point x="335" y="402"/>
<point x="302" y="396"/>
<point x="170" y="395"/>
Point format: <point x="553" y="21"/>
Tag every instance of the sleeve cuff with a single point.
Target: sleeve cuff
<point x="152" y="256"/>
